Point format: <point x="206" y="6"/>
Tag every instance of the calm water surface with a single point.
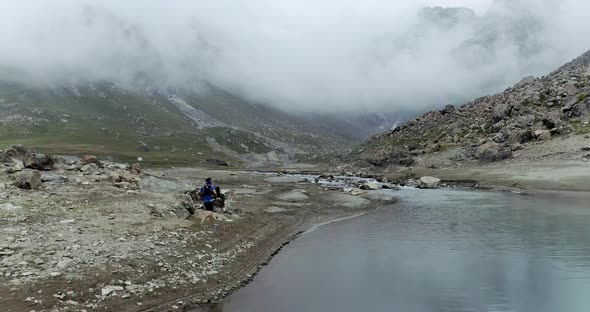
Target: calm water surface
<point x="438" y="250"/>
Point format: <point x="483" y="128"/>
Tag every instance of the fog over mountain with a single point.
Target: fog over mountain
<point x="300" y="56"/>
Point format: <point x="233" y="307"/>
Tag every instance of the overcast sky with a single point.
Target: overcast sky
<point x="479" y="6"/>
<point x="299" y="55"/>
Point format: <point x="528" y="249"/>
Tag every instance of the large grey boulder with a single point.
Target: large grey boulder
<point x="551" y="120"/>
<point x="490" y="152"/>
<point x="15" y="153"/>
<point x="525" y="121"/>
<point x="428" y="183"/>
<point x="28" y="179"/>
<point x="499" y="137"/>
<point x="370" y="186"/>
<point x="449" y="109"/>
<point x="39" y="161"/>
<point x="90" y="169"/>
<point x="543" y="135"/>
<point x="28" y="158"/>
<point x="522" y="136"/>
<point x="577" y="106"/>
<point x="501" y="111"/>
<point x="53" y="178"/>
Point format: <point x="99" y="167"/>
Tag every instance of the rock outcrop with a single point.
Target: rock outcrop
<point x="19" y="155"/>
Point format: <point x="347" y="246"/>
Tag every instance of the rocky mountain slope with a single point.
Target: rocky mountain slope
<point x="159" y="126"/>
<point x="493" y="128"/>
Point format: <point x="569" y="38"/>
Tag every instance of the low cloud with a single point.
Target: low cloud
<point x="302" y="56"/>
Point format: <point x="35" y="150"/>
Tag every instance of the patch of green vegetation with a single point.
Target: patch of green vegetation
<point x="266" y="121"/>
<point x="312" y="158"/>
<point x="103" y="121"/>
<point x="542" y="97"/>
<point x="582" y="97"/>
<point x="580" y="126"/>
<point x="526" y="102"/>
<point x="170" y="150"/>
<point x="239" y="141"/>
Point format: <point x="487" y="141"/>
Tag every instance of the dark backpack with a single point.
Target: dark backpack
<point x="207" y="191"/>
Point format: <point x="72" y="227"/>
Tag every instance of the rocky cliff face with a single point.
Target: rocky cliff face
<point x="491" y="128"/>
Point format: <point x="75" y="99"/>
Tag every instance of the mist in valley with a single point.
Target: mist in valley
<point x="328" y="57"/>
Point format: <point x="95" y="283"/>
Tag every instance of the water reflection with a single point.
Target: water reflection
<point x="437" y="251"/>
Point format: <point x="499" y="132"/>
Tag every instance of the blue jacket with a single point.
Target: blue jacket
<point x="208" y="198"/>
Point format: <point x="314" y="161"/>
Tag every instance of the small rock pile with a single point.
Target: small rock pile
<point x="30" y="169"/>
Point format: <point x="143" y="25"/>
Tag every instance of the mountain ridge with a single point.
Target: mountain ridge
<point x="491" y="128"/>
<point x="172" y="126"/>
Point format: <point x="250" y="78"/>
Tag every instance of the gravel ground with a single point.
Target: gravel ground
<point x="85" y="243"/>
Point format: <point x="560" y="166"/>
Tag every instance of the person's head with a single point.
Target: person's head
<point x="208" y="181"/>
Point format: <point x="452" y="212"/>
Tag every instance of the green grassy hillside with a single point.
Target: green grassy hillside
<point x="106" y="120"/>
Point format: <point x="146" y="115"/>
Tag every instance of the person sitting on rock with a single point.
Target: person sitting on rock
<point x="208" y="195"/>
<point x="220" y="200"/>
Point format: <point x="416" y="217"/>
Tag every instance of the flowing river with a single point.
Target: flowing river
<point x="437" y="250"/>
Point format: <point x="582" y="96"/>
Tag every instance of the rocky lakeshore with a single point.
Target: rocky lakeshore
<point x="534" y="135"/>
<point x="82" y="233"/>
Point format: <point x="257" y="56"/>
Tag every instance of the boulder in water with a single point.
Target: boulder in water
<point x="428" y="183"/>
<point x="370" y="186"/>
